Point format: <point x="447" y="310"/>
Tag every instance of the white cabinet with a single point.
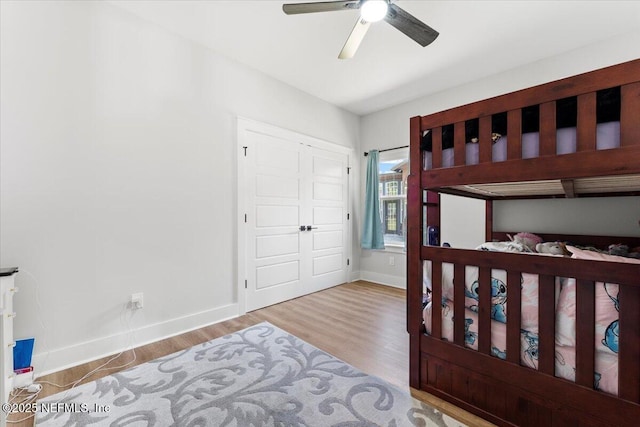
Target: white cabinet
<point x="7" y="289"/>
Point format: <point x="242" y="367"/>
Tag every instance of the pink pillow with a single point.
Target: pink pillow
<point x="606" y="316"/>
<point x="597" y="256"/>
<point x="606" y="306"/>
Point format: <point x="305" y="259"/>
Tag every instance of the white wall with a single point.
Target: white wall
<point x="118" y="157"/>
<point x="463" y="224"/>
<point x="618" y="216"/>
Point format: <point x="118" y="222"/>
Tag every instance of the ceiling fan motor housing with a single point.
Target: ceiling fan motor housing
<point x="374" y="10"/>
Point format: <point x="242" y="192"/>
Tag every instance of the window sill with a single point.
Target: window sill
<point x="394" y="249"/>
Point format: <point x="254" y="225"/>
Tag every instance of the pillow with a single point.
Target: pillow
<point x="606" y="306"/>
<point x="606" y="316"/>
<point x="599" y="256"/>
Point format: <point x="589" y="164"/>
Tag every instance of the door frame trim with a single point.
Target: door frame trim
<point x="244" y="124"/>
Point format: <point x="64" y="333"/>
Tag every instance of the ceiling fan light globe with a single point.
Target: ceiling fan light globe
<point x="374" y="10"/>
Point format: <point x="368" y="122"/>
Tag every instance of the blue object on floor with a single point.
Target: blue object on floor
<point x="22" y="353"/>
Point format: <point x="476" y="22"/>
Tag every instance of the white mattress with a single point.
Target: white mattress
<point x="607" y="136"/>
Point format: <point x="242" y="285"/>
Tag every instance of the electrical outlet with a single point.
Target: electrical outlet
<point x="137" y="301"/>
<point x="392" y="260"/>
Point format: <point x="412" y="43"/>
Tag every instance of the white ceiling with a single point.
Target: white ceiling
<point x="477" y="38"/>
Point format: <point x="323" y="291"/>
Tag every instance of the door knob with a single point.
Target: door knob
<point x="303" y="228"/>
<point x="309" y="228"/>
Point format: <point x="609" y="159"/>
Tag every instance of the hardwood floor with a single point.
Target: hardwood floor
<point x="361" y="323"/>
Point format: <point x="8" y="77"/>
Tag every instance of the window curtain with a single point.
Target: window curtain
<point x="372" y="231"/>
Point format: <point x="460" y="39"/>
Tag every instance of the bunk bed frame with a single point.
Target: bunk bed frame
<point x="504" y="391"/>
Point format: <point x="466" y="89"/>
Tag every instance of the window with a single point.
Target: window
<point x="394" y="170"/>
<point x="392" y="188"/>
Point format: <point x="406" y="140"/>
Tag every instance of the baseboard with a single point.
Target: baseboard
<point x="384" y="279"/>
<point x="355" y="275"/>
<point x="67" y="357"/>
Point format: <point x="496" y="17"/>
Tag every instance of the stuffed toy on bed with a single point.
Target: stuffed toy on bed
<point x="528" y="240"/>
<point x="554" y="248"/>
<point x="623" y="250"/>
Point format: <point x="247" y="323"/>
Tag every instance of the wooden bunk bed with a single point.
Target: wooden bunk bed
<point x="504" y="390"/>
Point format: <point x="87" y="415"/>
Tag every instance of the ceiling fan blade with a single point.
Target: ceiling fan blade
<point x="411" y="26"/>
<point x="354" y="40"/>
<point x="325" y="6"/>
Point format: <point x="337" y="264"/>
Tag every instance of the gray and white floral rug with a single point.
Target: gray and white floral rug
<point x="260" y="376"/>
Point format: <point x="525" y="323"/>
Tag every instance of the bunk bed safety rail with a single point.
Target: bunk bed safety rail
<point x="449" y="143"/>
<point x="543" y="347"/>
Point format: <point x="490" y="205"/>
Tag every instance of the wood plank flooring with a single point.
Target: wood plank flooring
<point x="361" y="323"/>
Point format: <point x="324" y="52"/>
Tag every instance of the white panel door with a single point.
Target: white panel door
<point x="294" y="239"/>
<point x="329" y="203"/>
<point x="274" y="184"/>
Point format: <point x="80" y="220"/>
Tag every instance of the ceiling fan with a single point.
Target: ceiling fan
<point x="370" y="11"/>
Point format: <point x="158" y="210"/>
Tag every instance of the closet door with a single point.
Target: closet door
<point x="274" y="240"/>
<point x="328" y="204"/>
<point x="295" y="230"/>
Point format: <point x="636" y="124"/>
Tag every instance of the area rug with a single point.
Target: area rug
<point x="260" y="376"/>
